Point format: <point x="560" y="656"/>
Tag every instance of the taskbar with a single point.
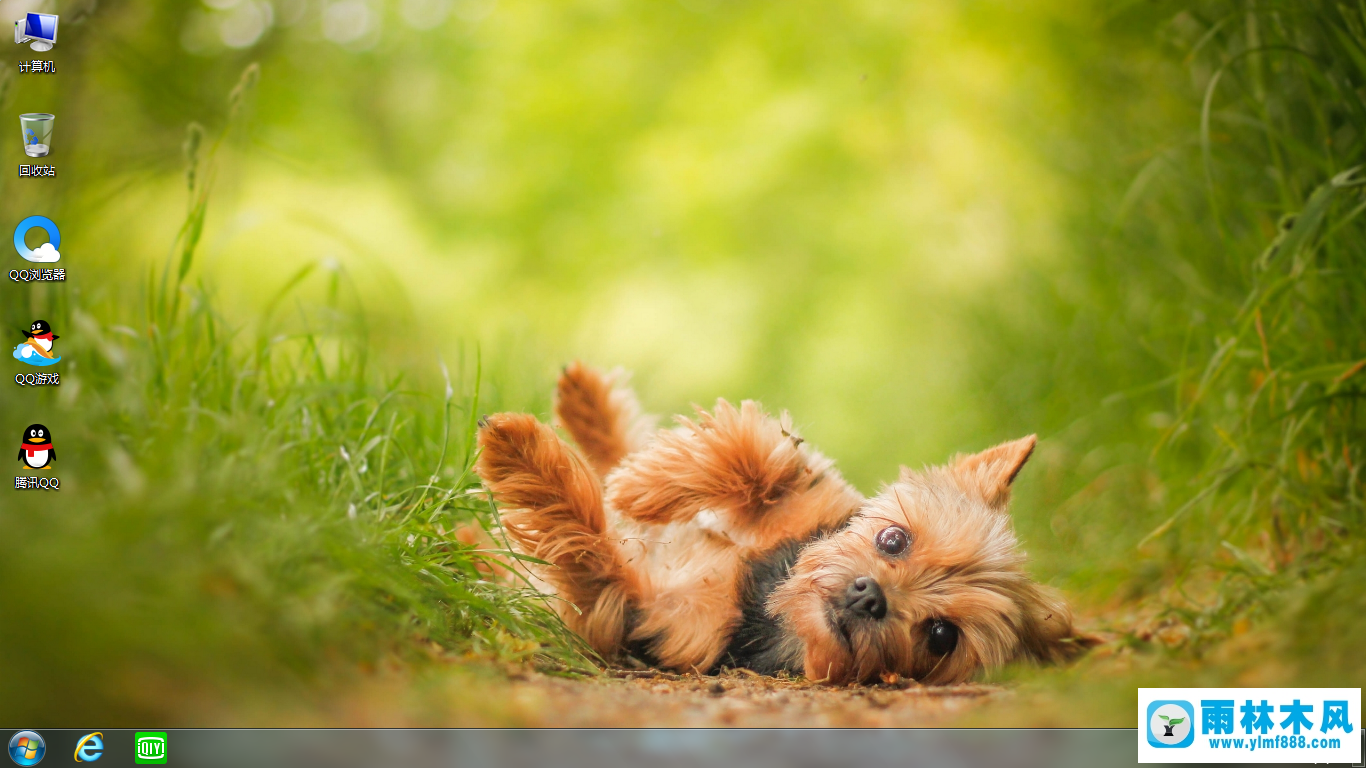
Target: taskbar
<point x="570" y="748"/>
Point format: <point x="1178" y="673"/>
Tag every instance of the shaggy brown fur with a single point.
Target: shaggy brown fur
<point x="727" y="540"/>
<point x="601" y="414"/>
<point x="554" y="512"/>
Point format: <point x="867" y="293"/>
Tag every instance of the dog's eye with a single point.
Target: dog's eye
<point x="893" y="540"/>
<point x="942" y="637"/>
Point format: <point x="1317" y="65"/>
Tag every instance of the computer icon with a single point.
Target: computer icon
<point x="41" y="28"/>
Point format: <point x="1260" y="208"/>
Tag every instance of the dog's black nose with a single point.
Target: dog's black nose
<point x="864" y="597"/>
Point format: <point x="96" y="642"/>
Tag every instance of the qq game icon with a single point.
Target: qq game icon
<point x="36" y="349"/>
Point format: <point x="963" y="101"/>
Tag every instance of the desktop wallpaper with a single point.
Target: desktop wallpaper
<point x="307" y="244"/>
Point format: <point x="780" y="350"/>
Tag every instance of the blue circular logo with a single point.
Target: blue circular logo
<point x="27" y="748"/>
<point x="45" y="252"/>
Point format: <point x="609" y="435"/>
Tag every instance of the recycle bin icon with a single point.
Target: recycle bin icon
<point x="37" y="128"/>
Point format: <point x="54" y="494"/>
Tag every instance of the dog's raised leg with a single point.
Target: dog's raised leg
<point x="744" y="466"/>
<point x="552" y="508"/>
<point x="602" y="414"/>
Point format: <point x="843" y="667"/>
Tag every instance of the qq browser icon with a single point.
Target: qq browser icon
<point x="149" y="748"/>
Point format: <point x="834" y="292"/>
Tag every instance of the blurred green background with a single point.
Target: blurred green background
<point x="730" y="200"/>
<point x="308" y="241"/>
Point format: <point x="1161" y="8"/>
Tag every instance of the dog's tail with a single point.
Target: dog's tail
<point x="552" y="509"/>
<point x="600" y="411"/>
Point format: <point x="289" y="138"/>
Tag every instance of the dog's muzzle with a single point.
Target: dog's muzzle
<point x="864" y="598"/>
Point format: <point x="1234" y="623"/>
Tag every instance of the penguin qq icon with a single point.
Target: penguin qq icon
<point x="36" y="348"/>
<point x="35" y="448"/>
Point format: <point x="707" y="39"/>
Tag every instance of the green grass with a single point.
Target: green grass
<point x="247" y="512"/>
<point x="1269" y="394"/>
<point x="258" y="506"/>
<point x="1203" y="364"/>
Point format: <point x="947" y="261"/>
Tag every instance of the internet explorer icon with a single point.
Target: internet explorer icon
<point x="90" y="748"/>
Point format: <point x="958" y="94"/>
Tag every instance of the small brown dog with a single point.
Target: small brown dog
<point x="726" y="541"/>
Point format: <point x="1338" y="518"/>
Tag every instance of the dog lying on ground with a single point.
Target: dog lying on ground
<point x="728" y="542"/>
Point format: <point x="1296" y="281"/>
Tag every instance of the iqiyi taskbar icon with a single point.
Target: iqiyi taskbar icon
<point x="149" y="748"/>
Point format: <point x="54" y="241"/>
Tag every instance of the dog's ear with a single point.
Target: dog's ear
<point x="991" y="472"/>
<point x="1046" y="631"/>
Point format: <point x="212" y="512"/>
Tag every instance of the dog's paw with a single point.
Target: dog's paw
<point x="507" y="443"/>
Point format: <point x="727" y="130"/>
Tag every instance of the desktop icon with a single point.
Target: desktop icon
<point x="27" y="748"/>
<point x="36" y="348"/>
<point x="90" y="747"/>
<point x="37" y="130"/>
<point x="40" y="28"/>
<point x="150" y="748"/>
<point x="45" y="253"/>
<point x="35" y="447"/>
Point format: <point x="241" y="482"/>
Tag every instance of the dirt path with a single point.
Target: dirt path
<point x="736" y="699"/>
<point x="465" y="695"/>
